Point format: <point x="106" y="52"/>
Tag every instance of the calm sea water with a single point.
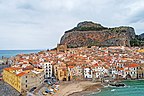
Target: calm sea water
<point x="134" y="88"/>
<point x="9" y="53"/>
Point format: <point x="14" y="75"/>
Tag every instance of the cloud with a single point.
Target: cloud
<point x="137" y="17"/>
<point x="39" y="24"/>
<point x="135" y="13"/>
<point x="25" y="6"/>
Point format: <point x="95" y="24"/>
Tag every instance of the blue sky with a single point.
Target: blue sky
<point x="39" y="24"/>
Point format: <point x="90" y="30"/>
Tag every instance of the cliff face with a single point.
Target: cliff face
<point x="141" y="36"/>
<point x="89" y="34"/>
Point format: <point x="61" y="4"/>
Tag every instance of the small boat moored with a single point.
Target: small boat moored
<point x="117" y="85"/>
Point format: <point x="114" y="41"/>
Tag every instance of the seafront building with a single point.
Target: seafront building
<point x="61" y="72"/>
<point x="88" y="72"/>
<point x="23" y="80"/>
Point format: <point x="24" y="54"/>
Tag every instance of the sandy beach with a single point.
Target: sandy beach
<point x="78" y="88"/>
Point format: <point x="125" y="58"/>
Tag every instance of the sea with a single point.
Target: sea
<point x="133" y="88"/>
<point x="10" y="53"/>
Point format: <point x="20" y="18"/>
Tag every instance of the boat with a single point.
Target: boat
<point x="117" y="85"/>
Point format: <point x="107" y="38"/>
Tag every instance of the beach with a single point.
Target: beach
<point x="78" y="88"/>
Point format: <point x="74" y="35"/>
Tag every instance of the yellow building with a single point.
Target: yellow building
<point x="11" y="78"/>
<point x="21" y="80"/>
<point x="141" y="50"/>
<point x="62" y="73"/>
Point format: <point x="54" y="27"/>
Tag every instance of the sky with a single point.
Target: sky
<point x="39" y="24"/>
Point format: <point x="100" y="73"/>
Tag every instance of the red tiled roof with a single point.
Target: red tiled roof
<point x="133" y="65"/>
<point x="127" y="70"/>
<point x="25" y="63"/>
<point x="95" y="65"/>
<point x="21" y="74"/>
<point x="70" y="66"/>
<point x="12" y="68"/>
<point x="120" y="68"/>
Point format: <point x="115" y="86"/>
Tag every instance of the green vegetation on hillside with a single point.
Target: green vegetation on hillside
<point x="87" y="29"/>
<point x="93" y="43"/>
<point x="137" y="41"/>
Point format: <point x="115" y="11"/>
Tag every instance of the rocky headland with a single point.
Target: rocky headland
<point x="88" y="33"/>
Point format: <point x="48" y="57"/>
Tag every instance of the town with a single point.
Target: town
<point x="39" y="74"/>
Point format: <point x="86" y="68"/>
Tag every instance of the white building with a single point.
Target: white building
<point x="87" y="73"/>
<point x="99" y="71"/>
<point x="47" y="69"/>
<point x="131" y="71"/>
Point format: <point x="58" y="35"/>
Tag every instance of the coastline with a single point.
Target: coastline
<point x="89" y="90"/>
<point x="79" y="88"/>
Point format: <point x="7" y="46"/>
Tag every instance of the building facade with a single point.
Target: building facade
<point x="47" y="66"/>
<point x="87" y="73"/>
<point x="21" y="80"/>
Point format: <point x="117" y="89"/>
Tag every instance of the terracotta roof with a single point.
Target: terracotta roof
<point x="25" y="62"/>
<point x="120" y="68"/>
<point x="133" y="65"/>
<point x="95" y="65"/>
<point x="12" y="68"/>
<point x="127" y="70"/>
<point x="30" y="66"/>
<point x="21" y="74"/>
<point x="70" y="66"/>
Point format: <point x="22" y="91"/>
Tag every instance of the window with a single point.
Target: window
<point x="26" y="80"/>
<point x="26" y="76"/>
<point x="26" y="86"/>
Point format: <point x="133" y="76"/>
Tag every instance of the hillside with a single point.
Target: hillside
<point x="142" y="36"/>
<point x="138" y="40"/>
<point x="89" y="34"/>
